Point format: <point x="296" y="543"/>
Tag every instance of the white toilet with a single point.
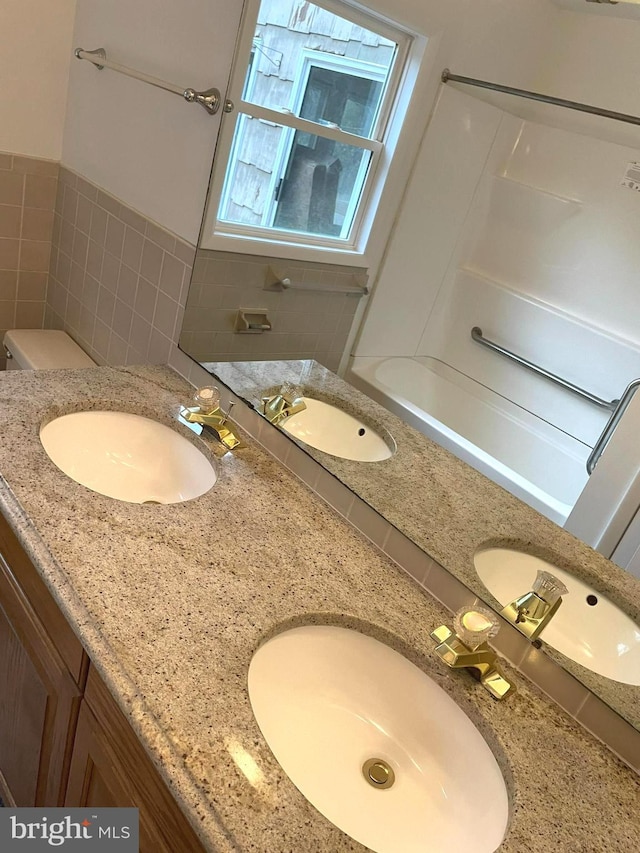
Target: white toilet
<point x="43" y="349"/>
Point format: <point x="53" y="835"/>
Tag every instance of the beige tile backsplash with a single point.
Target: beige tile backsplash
<point x="304" y="323"/>
<point x="118" y="282"/>
<point x="27" y="199"/>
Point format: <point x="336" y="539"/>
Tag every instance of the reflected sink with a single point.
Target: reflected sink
<point x="588" y="628"/>
<point x="328" y="700"/>
<point x="127" y="457"/>
<point x="333" y="431"/>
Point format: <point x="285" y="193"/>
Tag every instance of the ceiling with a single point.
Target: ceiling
<point x="630" y="11"/>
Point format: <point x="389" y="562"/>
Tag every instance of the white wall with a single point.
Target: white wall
<point x="148" y="147"/>
<point x="35" y="50"/>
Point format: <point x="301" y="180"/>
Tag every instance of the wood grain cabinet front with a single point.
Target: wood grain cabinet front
<point x="39" y="696"/>
<point x="110" y="768"/>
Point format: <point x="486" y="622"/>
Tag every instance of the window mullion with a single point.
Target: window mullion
<point x="289" y="120"/>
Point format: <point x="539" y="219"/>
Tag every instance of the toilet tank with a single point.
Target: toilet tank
<point x="43" y="349"/>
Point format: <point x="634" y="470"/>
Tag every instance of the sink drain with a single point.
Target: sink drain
<point x="378" y="773"/>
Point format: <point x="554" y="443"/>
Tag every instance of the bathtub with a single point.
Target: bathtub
<point x="519" y="451"/>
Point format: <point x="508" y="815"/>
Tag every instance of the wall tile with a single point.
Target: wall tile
<point x="28" y="189"/>
<point x="163" y="238"/>
<point x="8" y="284"/>
<point x="83" y="215"/>
<point x="407" y="555"/>
<point x="33" y="286"/>
<point x="12" y="188"/>
<point x="132" y="248"/>
<point x="151" y="263"/>
<point x="305" y="324"/>
<point x="115" y="237"/>
<point x="553" y="680"/>
<point x="29" y="315"/>
<point x="98" y="230"/>
<point x="35" y="166"/>
<point x="127" y="285"/>
<point x="34" y="255"/>
<point x="121" y="319"/>
<point x="116" y="279"/>
<point x="612" y="730"/>
<point x="10" y="220"/>
<point x="37" y="224"/>
<point x="133" y="219"/>
<point x="40" y="191"/>
<point x="146" y="295"/>
<point x="9" y="254"/>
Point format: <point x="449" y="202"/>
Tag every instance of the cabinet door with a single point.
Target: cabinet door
<point x="39" y="703"/>
<point x="109" y="767"/>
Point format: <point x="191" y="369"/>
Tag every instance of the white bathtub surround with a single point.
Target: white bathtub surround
<point x="528" y="456"/>
<point x="535" y="246"/>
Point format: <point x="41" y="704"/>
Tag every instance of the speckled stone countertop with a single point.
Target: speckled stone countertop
<point x="447" y="508"/>
<point x="170" y="603"/>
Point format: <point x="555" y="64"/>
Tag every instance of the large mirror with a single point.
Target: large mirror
<point x="516" y="236"/>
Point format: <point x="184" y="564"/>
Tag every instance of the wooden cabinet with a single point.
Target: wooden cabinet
<point x="110" y="768"/>
<point x="56" y="747"/>
<point x="39" y="697"/>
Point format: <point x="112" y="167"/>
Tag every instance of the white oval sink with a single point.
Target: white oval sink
<point x="588" y="628"/>
<point x="329" y="699"/>
<point x="333" y="431"/>
<point x="127" y="457"/>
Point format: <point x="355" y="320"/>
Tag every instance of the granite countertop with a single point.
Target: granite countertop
<point x="447" y="508"/>
<point x="173" y="629"/>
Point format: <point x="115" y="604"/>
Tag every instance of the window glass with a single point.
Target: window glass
<point x="286" y="30"/>
<point x="309" y="129"/>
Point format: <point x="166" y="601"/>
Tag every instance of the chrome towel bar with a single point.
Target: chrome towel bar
<point x="278" y="283"/>
<point x="476" y="334"/>
<point x="209" y="99"/>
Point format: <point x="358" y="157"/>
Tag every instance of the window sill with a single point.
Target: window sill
<point x="291" y="251"/>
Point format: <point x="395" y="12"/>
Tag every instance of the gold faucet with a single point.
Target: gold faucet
<point x="532" y="612"/>
<point x="209" y="414"/>
<point x="284" y="404"/>
<point x="466" y="648"/>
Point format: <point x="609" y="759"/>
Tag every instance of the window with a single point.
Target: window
<point x="317" y="90"/>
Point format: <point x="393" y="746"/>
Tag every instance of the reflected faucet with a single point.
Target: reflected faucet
<point x="466" y="648"/>
<point x="284" y="404"/>
<point x="532" y="612"/>
<point x="209" y="414"/>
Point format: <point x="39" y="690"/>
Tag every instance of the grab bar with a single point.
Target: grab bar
<point x="611" y="425"/>
<point x="611" y="405"/>
<point x="209" y="99"/>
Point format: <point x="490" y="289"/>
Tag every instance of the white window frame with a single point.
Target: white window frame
<point x="310" y="59"/>
<point x="233" y="237"/>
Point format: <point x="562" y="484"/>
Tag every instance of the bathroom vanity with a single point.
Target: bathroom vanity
<point x="80" y="748"/>
<point x="130" y="630"/>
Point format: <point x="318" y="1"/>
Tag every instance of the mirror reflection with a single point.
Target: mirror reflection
<point x="501" y="321"/>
